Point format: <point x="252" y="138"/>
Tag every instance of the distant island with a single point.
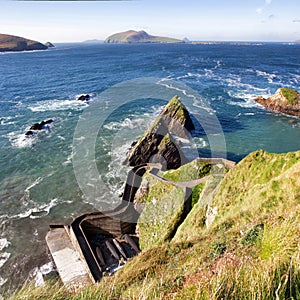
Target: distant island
<point x="16" y="43"/>
<point x="93" y="41"/>
<point x="132" y="36"/>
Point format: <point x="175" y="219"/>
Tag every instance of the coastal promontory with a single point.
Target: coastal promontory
<point x="158" y="144"/>
<point x="132" y="36"/>
<point x="16" y="43"/>
<point x="285" y="100"/>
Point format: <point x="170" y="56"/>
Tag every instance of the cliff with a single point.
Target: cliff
<point x="239" y="240"/>
<point x="132" y="36"/>
<point x="285" y="100"/>
<point x="158" y="143"/>
<point x="16" y="43"/>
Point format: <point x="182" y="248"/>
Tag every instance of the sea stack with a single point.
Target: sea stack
<point x="285" y="100"/>
<point x="159" y="144"/>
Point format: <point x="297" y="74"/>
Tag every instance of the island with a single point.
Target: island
<point x="132" y="36"/>
<point x="16" y="43"/>
<point x="285" y="100"/>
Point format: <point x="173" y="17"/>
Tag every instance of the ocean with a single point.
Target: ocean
<point x="76" y="164"/>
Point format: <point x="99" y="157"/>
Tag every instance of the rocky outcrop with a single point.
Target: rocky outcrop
<point x="49" y="45"/>
<point x="16" y="43"/>
<point x="38" y="127"/>
<point x="158" y="144"/>
<point x="284" y="100"/>
<point x="132" y="36"/>
<point x="84" y="98"/>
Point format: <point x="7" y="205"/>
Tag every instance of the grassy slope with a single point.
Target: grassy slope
<point x="164" y="203"/>
<point x="11" y="42"/>
<point x="250" y="250"/>
<point x="132" y="36"/>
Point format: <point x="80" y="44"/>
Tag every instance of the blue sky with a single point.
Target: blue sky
<point x="68" y="21"/>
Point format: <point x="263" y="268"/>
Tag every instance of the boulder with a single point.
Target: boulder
<point x="84" y="97"/>
<point x="158" y="143"/>
<point x="285" y="100"/>
<point x="38" y="127"/>
<point x="30" y="133"/>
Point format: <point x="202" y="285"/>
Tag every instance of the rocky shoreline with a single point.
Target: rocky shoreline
<point x="285" y="100"/>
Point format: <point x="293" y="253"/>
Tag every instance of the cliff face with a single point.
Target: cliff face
<point x="239" y="240"/>
<point x="241" y="236"/>
<point x="15" y="43"/>
<point x="158" y="144"/>
<point x="284" y="100"/>
<point x="132" y="36"/>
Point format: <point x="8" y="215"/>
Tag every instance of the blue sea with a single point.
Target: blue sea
<point x="75" y="163"/>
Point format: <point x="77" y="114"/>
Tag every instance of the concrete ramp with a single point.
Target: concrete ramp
<point x="71" y="268"/>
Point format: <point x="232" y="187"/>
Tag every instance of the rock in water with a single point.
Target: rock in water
<point x="158" y="144"/>
<point x="285" y="100"/>
<point x="49" y="45"/>
<point x="84" y="97"/>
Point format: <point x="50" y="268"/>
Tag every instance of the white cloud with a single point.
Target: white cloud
<point x="296" y="21"/>
<point x="268" y="2"/>
<point x="259" y="10"/>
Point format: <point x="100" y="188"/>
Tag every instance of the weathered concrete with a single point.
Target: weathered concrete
<point x="71" y="269"/>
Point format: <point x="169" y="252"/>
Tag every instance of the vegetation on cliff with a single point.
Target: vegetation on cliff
<point x="285" y="100"/>
<point x="157" y="144"/>
<point x="239" y="241"/>
<point x="132" y="36"/>
<point x="16" y="43"/>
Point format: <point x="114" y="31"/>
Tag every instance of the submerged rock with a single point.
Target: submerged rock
<point x="84" y="97"/>
<point x="285" y="100"/>
<point x="38" y="127"/>
<point x="158" y="143"/>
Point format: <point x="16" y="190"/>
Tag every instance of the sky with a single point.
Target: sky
<point x="201" y="20"/>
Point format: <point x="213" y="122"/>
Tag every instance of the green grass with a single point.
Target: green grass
<point x="251" y="250"/>
<point x="291" y="95"/>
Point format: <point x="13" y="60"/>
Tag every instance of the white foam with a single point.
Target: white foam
<point x="38" y="211"/>
<point x="4" y="256"/>
<point x="47" y="268"/>
<point x="200" y="142"/>
<point x="247" y="98"/>
<point x="7" y="121"/>
<point x="2" y="281"/>
<point x="269" y="76"/>
<point x="196" y="101"/>
<point x="20" y="140"/>
<point x="4" y="243"/>
<point x="36" y="182"/>
<point x="127" y="123"/>
<point x="69" y="159"/>
<point x="58" y="105"/>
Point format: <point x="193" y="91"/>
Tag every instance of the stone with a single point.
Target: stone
<point x="157" y="145"/>
<point x="84" y="97"/>
<point x="285" y="100"/>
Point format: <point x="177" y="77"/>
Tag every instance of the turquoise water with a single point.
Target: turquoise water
<point x="39" y="183"/>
